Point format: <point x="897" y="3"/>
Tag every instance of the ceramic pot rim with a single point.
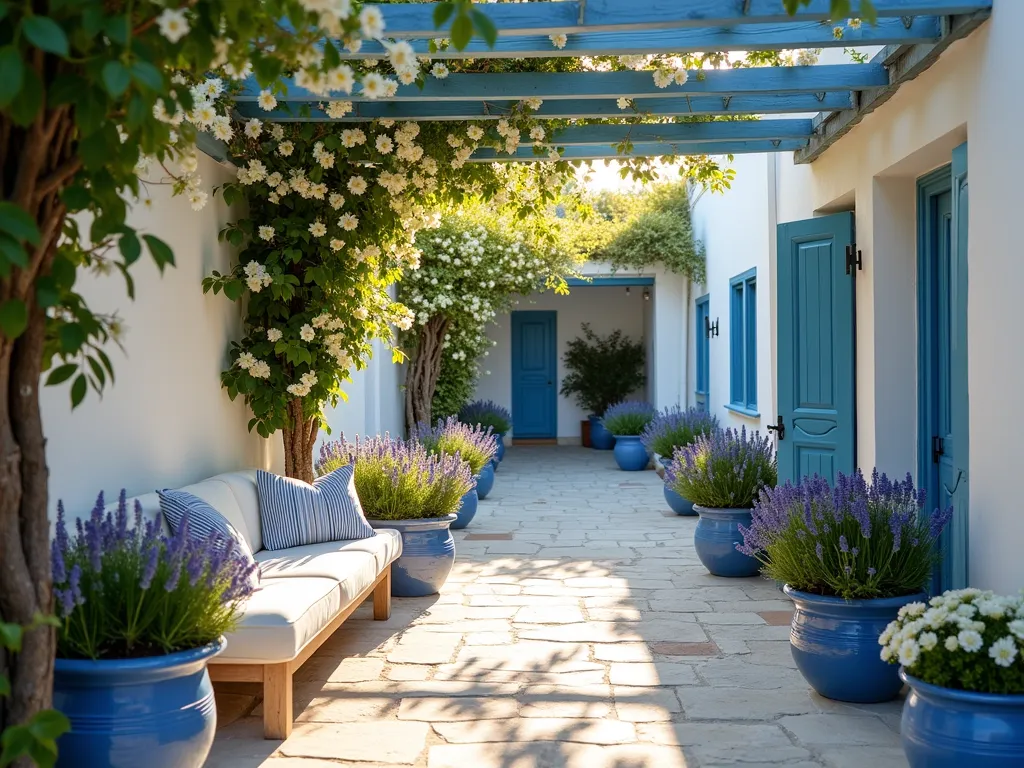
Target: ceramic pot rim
<point x="627" y="437"/>
<point x="415" y="523"/>
<point x="975" y="697"/>
<point x="724" y="510"/>
<point x="874" y="602"/>
<point x="143" y="664"/>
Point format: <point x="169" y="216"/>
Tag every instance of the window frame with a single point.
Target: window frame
<point x="743" y="343"/>
<point x="702" y="365"/>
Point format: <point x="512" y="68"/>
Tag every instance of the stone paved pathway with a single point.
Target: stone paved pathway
<point x="578" y="630"/>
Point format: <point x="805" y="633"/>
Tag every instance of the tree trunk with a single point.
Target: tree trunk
<point x="424" y="370"/>
<point x="36" y="163"/>
<point x="299" y="440"/>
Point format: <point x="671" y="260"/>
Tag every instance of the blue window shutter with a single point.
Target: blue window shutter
<point x="736" y="355"/>
<point x="702" y="348"/>
<point x="750" y="343"/>
<point x="743" y="340"/>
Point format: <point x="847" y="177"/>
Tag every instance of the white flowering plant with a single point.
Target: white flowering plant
<point x="964" y="639"/>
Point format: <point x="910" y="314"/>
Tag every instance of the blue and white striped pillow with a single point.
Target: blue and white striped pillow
<point x="205" y="521"/>
<point x="294" y="513"/>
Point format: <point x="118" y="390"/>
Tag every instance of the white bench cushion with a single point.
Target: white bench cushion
<point x="385" y="548"/>
<point x="353" y="571"/>
<point x="281" y="618"/>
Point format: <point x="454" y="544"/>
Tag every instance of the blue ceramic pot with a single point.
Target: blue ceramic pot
<point x="157" y="711"/>
<point x="467" y="510"/>
<point x="500" y="456"/>
<point x="485" y="481"/>
<point x="678" y="504"/>
<point x="945" y="728"/>
<point x="630" y="453"/>
<point x="600" y="438"/>
<point x="428" y="554"/>
<point x="716" y="537"/>
<point x="835" y="645"/>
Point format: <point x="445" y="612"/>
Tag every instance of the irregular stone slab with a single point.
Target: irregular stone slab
<point x="743" y="703"/>
<point x="858" y="757"/>
<point x="730" y="618"/>
<point x="387" y="742"/>
<point x="652" y="674"/>
<point x="836" y="729"/>
<point x="408" y="672"/>
<point x="645" y="705"/>
<point x="623" y="652"/>
<point x="548" y="614"/>
<point x="745" y="672"/>
<point x="489" y="638"/>
<point x="666" y="648"/>
<point x="356" y="670"/>
<point x="539" y="729"/>
<point x="425" y="648"/>
<point x="592" y="701"/>
<point x="340" y="706"/>
<point x="725" y="743"/>
<point x="615" y="632"/>
<point x="438" y="710"/>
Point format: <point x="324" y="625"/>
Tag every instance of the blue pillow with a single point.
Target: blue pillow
<point x="205" y="521"/>
<point x="294" y="513"/>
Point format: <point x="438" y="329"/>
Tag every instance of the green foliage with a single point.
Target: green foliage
<point x="966" y="639"/>
<point x="37" y="738"/>
<point x="626" y="423"/>
<point x="601" y="371"/>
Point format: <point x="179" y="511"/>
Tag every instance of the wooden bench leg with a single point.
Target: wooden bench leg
<point x="277" y="701"/>
<point x="382" y="597"/>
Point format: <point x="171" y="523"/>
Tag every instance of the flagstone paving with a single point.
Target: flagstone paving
<point x="590" y="637"/>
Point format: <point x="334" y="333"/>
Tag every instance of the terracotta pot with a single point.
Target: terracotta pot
<point x="585" y="432"/>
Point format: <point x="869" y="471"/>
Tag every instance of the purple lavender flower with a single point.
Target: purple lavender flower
<point x="486" y="413"/>
<point x="674" y="428"/>
<point x="630" y="417"/>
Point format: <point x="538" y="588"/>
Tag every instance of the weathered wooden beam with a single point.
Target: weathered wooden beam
<point x="416" y="20"/>
<point x="761" y="37"/>
<point x="672" y="106"/>
<point x="605" y="85"/>
<point x="830" y="127"/>
<point x="658" y="149"/>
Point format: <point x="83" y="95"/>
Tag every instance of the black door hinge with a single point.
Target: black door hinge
<point x="938" y="449"/>
<point x="853" y="258"/>
<point x="710" y="329"/>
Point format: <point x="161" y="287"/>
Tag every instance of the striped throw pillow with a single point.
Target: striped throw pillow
<point x="205" y="521"/>
<point x="294" y="513"/>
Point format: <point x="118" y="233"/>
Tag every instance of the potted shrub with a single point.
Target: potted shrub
<point x="722" y="474"/>
<point x="626" y="421"/>
<point x="475" y="446"/>
<point x="962" y="656"/>
<point x="670" y="429"/>
<point x="141" y="614"/>
<point x="401" y="486"/>
<point x="601" y="371"/>
<point x="850" y="556"/>
<point x="487" y="413"/>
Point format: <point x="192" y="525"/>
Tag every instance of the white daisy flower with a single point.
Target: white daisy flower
<point x="357" y="185"/>
<point x="285" y="148"/>
<point x="348" y="222"/>
<point x="253" y="128"/>
<point x="558" y="41"/>
<point x="266" y="233"/>
<point x="173" y="24"/>
<point x="371" y="22"/>
<point x="266" y="100"/>
<point x="1003" y="651"/>
<point x="317" y="229"/>
<point x="439" y="70"/>
<point x="969" y="640"/>
<point x="274" y="334"/>
<point x="384" y="145"/>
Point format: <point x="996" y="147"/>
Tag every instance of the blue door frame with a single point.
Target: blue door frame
<point x="943" y="413"/>
<point x="702" y="387"/>
<point x="534" y="375"/>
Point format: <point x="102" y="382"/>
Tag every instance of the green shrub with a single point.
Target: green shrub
<point x="723" y="470"/>
<point x="630" y="417"/>
<point x="602" y="371"/>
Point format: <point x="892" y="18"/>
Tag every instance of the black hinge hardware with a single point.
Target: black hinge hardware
<point x="938" y="449"/>
<point x="710" y="329"/>
<point x="853" y="258"/>
<point x="779" y="428"/>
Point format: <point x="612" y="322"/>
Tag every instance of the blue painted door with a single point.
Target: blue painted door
<point x="942" y="301"/>
<point x="534" y="373"/>
<point x="703" y="352"/>
<point x="816" y="348"/>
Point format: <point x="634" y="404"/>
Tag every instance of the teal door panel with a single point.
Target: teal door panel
<point x="703" y="352"/>
<point x="534" y="373"/>
<point x="816" y="348"/>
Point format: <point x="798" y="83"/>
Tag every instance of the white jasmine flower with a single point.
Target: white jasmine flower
<point x="537" y="133"/>
<point x="969" y="640"/>
<point x="680" y="76"/>
<point x="348" y="222"/>
<point x="253" y="128"/>
<point x="276" y="131"/>
<point x="336" y="200"/>
<point x="439" y="70"/>
<point x="351" y="137"/>
<point x="558" y="41"/>
<point x="1003" y="651"/>
<point x="341" y="78"/>
<point x="337" y="245"/>
<point x="285" y="148"/>
<point x="401" y="55"/>
<point x="274" y="334"/>
<point x="317" y="229"/>
<point x="338" y="109"/>
<point x="357" y="185"/>
<point x="267" y="101"/>
<point x="928" y="640"/>
<point x="662" y="78"/>
<point x="222" y="128"/>
<point x="374" y="85"/>
<point x="371" y="22"/>
<point x="266" y="232"/>
<point x="173" y="24"/>
<point x="475" y="132"/>
<point x="306" y="333"/>
<point x="533" y="102"/>
<point x="624" y="103"/>
<point x="197" y="199"/>
<point x="384" y="145"/>
<point x="260" y="370"/>
<point x="245" y="360"/>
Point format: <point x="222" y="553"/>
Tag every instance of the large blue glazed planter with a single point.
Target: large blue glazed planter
<point x="600" y="438"/>
<point x="630" y="453"/>
<point x="428" y="554"/>
<point x="946" y="728"/>
<point x="835" y="645"/>
<point x="716" y="537"/>
<point x="485" y="481"/>
<point x="156" y="711"/>
<point x="678" y="504"/>
<point x="467" y="510"/>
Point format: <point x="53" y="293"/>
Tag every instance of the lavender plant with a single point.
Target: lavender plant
<point x="473" y="444"/>
<point x="130" y="591"/>
<point x="854" y="540"/>
<point x="629" y="417"/>
<point x="674" y="428"/>
<point x="486" y="413"/>
<point x="398" y="479"/>
<point x="725" y="469"/>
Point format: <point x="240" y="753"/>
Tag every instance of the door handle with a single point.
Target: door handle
<point x="780" y="428"/>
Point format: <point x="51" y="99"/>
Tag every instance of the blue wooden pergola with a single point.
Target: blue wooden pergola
<point x="830" y="99"/>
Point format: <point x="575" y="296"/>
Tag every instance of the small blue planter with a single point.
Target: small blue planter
<point x="835" y="645"/>
<point x="600" y="438"/>
<point x="715" y="540"/>
<point x="428" y="554"/>
<point x="467" y="510"/>
<point x="678" y="504"/>
<point x="945" y="728"/>
<point x="156" y="711"/>
<point x="630" y="453"/>
<point x="500" y="456"/>
<point x="485" y="481"/>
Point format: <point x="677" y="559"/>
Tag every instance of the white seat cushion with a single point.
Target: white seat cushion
<point x="281" y="618"/>
<point x="353" y="570"/>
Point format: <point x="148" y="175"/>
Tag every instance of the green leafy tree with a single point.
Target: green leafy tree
<point x="602" y="371"/>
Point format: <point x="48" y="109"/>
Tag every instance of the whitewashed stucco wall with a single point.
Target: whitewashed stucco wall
<point x="166" y="421"/>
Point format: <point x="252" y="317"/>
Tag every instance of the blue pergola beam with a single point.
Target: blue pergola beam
<point x="646" y="133"/>
<point x="610" y="85"/>
<point x="761" y="37"/>
<point x="597" y="152"/>
<point x="416" y="20"/>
